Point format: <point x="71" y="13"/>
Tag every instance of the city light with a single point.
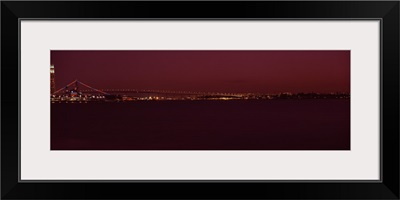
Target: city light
<point x="90" y="94"/>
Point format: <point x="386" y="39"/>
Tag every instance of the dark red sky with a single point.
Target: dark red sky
<point x="212" y="71"/>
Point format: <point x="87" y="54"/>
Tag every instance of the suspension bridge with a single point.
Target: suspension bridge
<point x="82" y="92"/>
<point x="78" y="87"/>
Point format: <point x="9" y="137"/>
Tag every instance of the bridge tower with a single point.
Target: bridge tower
<point x="52" y="80"/>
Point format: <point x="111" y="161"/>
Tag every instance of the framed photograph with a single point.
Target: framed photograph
<point x="264" y="99"/>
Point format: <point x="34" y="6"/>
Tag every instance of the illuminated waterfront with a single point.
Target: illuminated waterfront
<point x="169" y="97"/>
<point x="75" y="94"/>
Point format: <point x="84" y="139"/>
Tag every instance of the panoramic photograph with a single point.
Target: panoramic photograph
<point x="200" y="99"/>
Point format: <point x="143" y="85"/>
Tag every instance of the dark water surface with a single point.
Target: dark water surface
<point x="202" y="125"/>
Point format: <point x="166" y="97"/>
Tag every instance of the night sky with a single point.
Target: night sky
<point x="206" y="71"/>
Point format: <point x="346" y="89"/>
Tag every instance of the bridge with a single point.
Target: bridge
<point x="79" y="87"/>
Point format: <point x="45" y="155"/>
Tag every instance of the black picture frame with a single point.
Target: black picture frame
<point x="386" y="11"/>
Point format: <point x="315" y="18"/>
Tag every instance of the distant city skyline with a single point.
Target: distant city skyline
<point x="206" y="71"/>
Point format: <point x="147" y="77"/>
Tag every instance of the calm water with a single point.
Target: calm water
<point x="202" y="125"/>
